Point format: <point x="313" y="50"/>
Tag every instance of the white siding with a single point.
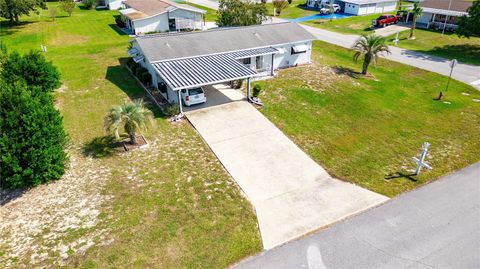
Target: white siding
<point x="157" y="23"/>
<point x="370" y="8"/>
<point x="186" y="14"/>
<point x="287" y="59"/>
<point x="114" y="4"/>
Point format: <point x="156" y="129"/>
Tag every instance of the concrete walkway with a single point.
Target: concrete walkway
<point x="292" y="194"/>
<point x="436" y="226"/>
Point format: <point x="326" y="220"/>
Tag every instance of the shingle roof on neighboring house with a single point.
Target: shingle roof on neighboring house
<point x="183" y="45"/>
<point x="149" y="8"/>
<point x="457" y="5"/>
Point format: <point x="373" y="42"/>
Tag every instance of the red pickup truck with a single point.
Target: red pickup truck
<point x="385" y="20"/>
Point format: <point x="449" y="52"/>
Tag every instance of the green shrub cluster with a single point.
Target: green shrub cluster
<point x="171" y="110"/>
<point x="257" y="88"/>
<point x="32" y="138"/>
<point x="140" y="72"/>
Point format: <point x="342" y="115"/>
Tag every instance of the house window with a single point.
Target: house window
<point x="247" y="61"/>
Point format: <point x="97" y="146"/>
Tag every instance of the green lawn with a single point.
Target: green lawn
<point x="296" y="9"/>
<point x="172" y="205"/>
<point x="352" y="25"/>
<point x="448" y="46"/>
<point x="366" y="130"/>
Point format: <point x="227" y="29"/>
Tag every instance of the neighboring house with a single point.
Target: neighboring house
<point x="358" y="7"/>
<point x="194" y="59"/>
<point x="438" y="14"/>
<point x="149" y="16"/>
<point x="111" y="4"/>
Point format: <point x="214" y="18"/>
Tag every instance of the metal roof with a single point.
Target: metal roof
<point x="162" y="47"/>
<point x="253" y="52"/>
<point x="203" y="70"/>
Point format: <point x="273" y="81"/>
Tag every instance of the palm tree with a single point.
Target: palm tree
<point x="416" y="12"/>
<point x="370" y="46"/>
<point x="132" y="116"/>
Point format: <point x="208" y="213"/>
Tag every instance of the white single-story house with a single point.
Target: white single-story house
<point x="363" y="7"/>
<point x="194" y="59"/>
<point x="358" y="7"/>
<point x="438" y="14"/>
<point x="112" y="4"/>
<point x="150" y="16"/>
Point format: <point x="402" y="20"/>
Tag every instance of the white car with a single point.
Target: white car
<point x="336" y="8"/>
<point x="193" y="96"/>
<point x="325" y="11"/>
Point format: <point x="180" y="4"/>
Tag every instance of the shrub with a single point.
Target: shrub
<point x="256" y="90"/>
<point x="146" y="78"/>
<point x="171" y="110"/>
<point x="140" y="70"/>
<point x="89" y="4"/>
<point x="240" y="13"/>
<point x="31" y="68"/>
<point x="32" y="138"/>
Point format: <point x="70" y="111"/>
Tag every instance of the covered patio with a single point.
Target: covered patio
<point x="194" y="72"/>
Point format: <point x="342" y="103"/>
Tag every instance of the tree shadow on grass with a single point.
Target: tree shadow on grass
<point x="467" y="53"/>
<point x="9" y="28"/>
<point x="409" y="176"/>
<point x="117" y="29"/>
<point x="101" y="147"/>
<point x="341" y="70"/>
<point x="123" y="79"/>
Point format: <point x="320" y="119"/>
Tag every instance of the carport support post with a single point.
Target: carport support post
<point x="180" y="102"/>
<point x="248" y="89"/>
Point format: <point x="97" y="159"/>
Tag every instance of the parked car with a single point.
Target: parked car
<point x="193" y="96"/>
<point x="385" y="20"/>
<point x="325" y="10"/>
<point x="336" y="8"/>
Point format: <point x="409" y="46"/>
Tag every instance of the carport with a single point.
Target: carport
<point x="198" y="71"/>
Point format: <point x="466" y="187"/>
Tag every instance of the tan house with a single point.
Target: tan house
<point x="440" y="14"/>
<point x="153" y="16"/>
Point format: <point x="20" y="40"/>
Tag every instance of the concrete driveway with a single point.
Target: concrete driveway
<point x="391" y="30"/>
<point x="292" y="194"/>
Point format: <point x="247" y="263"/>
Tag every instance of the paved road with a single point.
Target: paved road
<point x="292" y="194"/>
<point x="436" y="226"/>
<point x="469" y="74"/>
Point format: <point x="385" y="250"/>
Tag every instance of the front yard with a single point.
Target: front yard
<point x="448" y="46"/>
<point x="356" y="25"/>
<point x="170" y="205"/>
<point x="366" y="130"/>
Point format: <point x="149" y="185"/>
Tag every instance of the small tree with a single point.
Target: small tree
<point x="240" y="13"/>
<point x="53" y="13"/>
<point x="13" y="9"/>
<point x="132" y="116"/>
<point x="257" y="88"/>
<point x="369" y="46"/>
<point x="279" y="6"/>
<point x="470" y="25"/>
<point x="32" y="138"/>
<point x="31" y="68"/>
<point x="68" y="6"/>
<point x="416" y="12"/>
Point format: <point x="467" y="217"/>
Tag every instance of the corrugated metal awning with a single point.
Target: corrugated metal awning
<point x="206" y="70"/>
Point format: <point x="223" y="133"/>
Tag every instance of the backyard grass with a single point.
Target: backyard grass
<point x="352" y="25"/>
<point x="170" y="205"/>
<point x="366" y="130"/>
<point x="294" y="10"/>
<point x="448" y="46"/>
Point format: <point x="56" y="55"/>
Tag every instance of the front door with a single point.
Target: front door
<point x="172" y="25"/>
<point x="259" y="62"/>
